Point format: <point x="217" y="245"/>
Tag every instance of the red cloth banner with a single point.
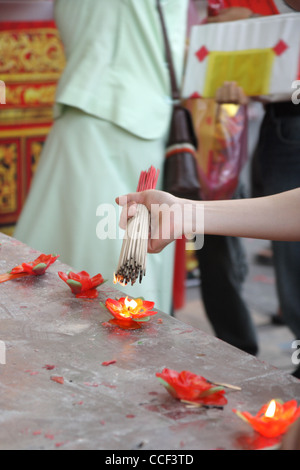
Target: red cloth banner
<point x="259" y="7"/>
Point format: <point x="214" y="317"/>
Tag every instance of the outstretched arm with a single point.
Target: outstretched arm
<point x="275" y="217"/>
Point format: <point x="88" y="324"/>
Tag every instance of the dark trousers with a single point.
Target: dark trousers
<point x="278" y="159"/>
<point x="223" y="268"/>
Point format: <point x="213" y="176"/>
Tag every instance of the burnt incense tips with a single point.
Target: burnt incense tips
<point x="133" y="257"/>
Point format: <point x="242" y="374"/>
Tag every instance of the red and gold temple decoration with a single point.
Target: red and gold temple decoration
<point x="31" y="62"/>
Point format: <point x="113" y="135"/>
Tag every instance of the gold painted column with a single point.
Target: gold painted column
<point x="31" y="62"/>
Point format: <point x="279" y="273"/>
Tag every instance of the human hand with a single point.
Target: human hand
<point x="230" y="92"/>
<point x="231" y="14"/>
<point x="166" y="216"/>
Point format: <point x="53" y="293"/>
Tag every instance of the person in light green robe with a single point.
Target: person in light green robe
<point x="112" y="113"/>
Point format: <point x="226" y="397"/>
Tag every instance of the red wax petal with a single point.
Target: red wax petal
<point x="9" y="277"/>
<point x="27" y="268"/>
<point x="97" y="280"/>
<point x="191" y="387"/>
<point x="148" y="305"/>
<point x="81" y="284"/>
<point x="285" y="415"/>
<point x="5" y="277"/>
<point x="125" y="325"/>
<point x="63" y="276"/>
<point x="59" y="380"/>
<point x="108" y="363"/>
<point x="88" y="294"/>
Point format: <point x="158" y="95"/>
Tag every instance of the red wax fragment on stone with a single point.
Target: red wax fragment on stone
<point x="59" y="444"/>
<point x="108" y="363"/>
<point x="59" y="380"/>
<point x="89" y="384"/>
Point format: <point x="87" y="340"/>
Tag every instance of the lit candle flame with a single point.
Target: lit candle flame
<point x="271" y="409"/>
<point x="118" y="279"/>
<point x="130" y="303"/>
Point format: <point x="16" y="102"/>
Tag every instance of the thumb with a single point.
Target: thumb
<point x="128" y="210"/>
<point x="128" y="198"/>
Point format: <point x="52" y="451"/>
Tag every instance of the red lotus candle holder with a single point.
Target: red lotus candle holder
<point x="128" y="314"/>
<point x="273" y="419"/>
<point x="82" y="284"/>
<point x="191" y="388"/>
<point x="37" y="267"/>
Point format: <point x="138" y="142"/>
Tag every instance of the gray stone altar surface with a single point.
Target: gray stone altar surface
<point x="121" y="406"/>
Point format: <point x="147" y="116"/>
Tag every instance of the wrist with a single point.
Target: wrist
<point x="193" y="218"/>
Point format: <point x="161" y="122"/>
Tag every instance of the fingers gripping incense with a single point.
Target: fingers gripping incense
<point x="133" y="256"/>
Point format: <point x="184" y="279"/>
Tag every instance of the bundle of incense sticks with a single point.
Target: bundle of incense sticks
<point x="133" y="257"/>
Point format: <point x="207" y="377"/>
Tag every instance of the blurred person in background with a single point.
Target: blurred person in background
<point x="222" y="261"/>
<point x="277" y="158"/>
<point x="112" y="116"/>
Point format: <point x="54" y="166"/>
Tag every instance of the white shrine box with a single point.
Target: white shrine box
<point x="260" y="54"/>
